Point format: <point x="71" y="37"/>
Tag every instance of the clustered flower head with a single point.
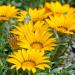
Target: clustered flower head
<point x="63" y="24"/>
<point x="28" y="60"/>
<point x="32" y="36"/>
<point x="56" y="8"/>
<point x="7" y="12"/>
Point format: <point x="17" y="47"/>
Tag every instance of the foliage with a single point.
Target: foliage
<point x="62" y="59"/>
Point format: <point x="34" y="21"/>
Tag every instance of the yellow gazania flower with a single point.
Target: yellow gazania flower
<point x="34" y="14"/>
<point x="38" y="14"/>
<point x="35" y="36"/>
<point x="7" y="12"/>
<point x="71" y="12"/>
<point x="22" y="16"/>
<point x="28" y="60"/>
<point x="57" y="8"/>
<point x="64" y="24"/>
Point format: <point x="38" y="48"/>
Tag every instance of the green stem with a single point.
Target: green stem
<point x="29" y="73"/>
<point x="17" y="73"/>
<point x="56" y="35"/>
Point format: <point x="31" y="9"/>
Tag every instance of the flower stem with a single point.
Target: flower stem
<point x="56" y="35"/>
<point x="29" y="73"/>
